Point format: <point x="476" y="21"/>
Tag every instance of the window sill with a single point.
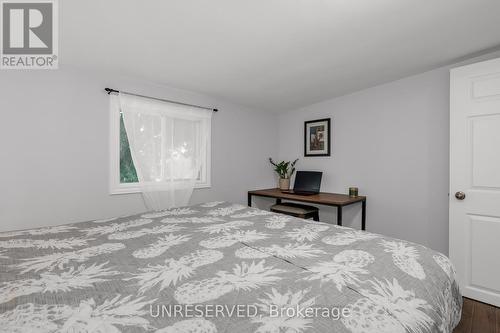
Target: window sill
<point x="132" y="189"/>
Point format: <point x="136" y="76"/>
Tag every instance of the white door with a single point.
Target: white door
<point x="475" y="179"/>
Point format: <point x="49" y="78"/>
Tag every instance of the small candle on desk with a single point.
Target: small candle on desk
<point x="353" y="191"/>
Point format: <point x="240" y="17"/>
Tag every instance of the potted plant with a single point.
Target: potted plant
<point x="285" y="170"/>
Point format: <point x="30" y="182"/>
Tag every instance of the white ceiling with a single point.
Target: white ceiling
<point x="274" y="54"/>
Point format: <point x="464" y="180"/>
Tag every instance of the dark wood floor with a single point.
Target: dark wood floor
<point x="478" y="317"/>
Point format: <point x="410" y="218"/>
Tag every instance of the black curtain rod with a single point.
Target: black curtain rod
<point x="110" y="91"/>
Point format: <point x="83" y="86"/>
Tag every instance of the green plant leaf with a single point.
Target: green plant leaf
<point x="284" y="169"/>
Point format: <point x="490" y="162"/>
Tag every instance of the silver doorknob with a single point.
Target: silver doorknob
<point x="460" y="195"/>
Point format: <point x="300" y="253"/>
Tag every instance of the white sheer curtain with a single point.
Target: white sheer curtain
<point x="168" y="143"/>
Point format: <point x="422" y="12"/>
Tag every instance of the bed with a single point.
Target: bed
<point x="130" y="274"/>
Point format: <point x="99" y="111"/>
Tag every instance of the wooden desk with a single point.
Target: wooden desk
<point x="327" y="199"/>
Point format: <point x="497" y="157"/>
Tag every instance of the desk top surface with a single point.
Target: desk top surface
<point x="320" y="198"/>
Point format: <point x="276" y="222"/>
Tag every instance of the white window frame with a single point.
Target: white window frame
<point x="116" y="187"/>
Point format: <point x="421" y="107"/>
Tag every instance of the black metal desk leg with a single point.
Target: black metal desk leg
<point x="249" y="200"/>
<point x="363" y="215"/>
<point x="339" y="215"/>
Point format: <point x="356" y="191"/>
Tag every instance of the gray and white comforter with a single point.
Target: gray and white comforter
<point x="125" y="274"/>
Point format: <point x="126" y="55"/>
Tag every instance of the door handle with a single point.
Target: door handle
<point x="460" y="195"/>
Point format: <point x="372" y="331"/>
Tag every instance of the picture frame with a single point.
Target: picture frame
<point x="317" y="137"/>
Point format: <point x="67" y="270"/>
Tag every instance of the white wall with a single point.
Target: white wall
<point x="54" y="129"/>
<point x="392" y="142"/>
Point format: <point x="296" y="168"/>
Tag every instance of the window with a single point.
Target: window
<point x="123" y="177"/>
<point x="127" y="169"/>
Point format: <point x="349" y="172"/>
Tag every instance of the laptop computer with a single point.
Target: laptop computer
<point x="307" y="183"/>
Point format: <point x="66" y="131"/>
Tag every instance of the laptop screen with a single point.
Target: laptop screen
<point x="307" y="181"/>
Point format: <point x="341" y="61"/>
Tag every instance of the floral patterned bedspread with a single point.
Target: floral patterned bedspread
<point x="123" y="274"/>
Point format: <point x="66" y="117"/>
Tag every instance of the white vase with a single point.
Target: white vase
<point x="284" y="184"/>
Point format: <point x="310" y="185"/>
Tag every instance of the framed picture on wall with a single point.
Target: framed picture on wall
<point x="317" y="137"/>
